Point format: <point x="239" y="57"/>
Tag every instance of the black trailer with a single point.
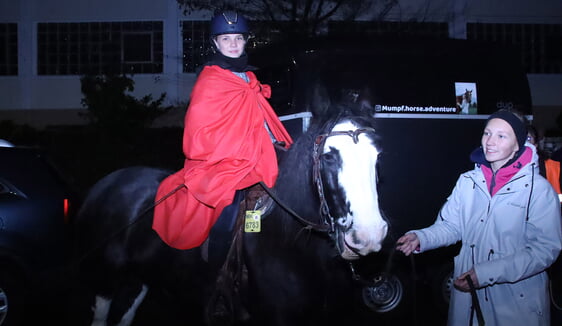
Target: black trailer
<point x="414" y="88"/>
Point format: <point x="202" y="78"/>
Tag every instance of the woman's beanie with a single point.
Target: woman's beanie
<point x="519" y="127"/>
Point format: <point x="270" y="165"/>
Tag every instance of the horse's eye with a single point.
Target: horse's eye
<point x="331" y="156"/>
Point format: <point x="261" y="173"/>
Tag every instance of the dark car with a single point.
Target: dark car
<point x="34" y="211"/>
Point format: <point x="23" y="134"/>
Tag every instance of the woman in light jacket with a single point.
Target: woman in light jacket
<point x="508" y="219"/>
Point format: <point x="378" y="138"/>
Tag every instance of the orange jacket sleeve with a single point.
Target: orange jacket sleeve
<point x="553" y="174"/>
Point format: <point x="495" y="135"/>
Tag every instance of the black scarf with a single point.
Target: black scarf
<point x="239" y="64"/>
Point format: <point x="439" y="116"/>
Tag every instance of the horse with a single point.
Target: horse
<point x="463" y="101"/>
<point x="322" y="215"/>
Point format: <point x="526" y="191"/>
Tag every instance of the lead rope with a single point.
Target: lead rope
<point x="387" y="269"/>
<point x="356" y="277"/>
<point x="552" y="299"/>
<point x="475" y="303"/>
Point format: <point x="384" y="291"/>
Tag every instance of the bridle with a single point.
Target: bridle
<point x="319" y="143"/>
<point x="327" y="224"/>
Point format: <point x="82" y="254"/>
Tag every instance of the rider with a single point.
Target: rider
<point x="228" y="141"/>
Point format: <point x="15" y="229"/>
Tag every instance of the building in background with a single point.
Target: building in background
<point x="47" y="45"/>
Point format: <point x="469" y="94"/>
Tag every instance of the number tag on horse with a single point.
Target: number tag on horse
<point x="253" y="221"/>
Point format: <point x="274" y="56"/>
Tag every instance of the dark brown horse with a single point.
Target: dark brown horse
<point x="296" y="270"/>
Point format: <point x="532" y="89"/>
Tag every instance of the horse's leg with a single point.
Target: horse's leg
<point x="287" y="288"/>
<point x="126" y="301"/>
<point x="101" y="310"/>
<point x="130" y="314"/>
<point x="275" y="291"/>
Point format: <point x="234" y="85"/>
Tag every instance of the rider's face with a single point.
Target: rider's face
<point x="230" y="45"/>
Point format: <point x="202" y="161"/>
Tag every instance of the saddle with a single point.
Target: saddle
<point x="256" y="198"/>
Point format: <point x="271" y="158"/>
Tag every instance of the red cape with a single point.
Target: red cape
<point x="226" y="147"/>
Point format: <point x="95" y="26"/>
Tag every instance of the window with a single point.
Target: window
<point x="100" y="48"/>
<point x="540" y="45"/>
<point x="137" y="47"/>
<point x="8" y="49"/>
<point x="196" y="42"/>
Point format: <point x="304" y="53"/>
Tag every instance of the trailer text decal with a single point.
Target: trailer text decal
<point x="414" y="109"/>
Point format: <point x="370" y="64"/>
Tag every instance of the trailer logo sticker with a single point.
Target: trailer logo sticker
<point x="465" y="94"/>
<point x="465" y="101"/>
<point x="414" y="109"/>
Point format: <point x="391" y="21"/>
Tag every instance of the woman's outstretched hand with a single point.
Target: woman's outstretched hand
<point x="408" y="243"/>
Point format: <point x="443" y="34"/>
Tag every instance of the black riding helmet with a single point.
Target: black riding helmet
<point x="229" y="22"/>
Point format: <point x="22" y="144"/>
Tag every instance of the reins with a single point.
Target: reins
<point x="137" y="219"/>
<point x="309" y="225"/>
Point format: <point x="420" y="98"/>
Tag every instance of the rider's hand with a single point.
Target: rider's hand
<point x="408" y="243"/>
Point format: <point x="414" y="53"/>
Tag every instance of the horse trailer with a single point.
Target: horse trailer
<point x="417" y="91"/>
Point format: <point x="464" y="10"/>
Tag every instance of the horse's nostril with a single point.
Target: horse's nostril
<point x="345" y="222"/>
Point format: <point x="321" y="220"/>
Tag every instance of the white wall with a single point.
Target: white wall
<point x="31" y="91"/>
<point x="28" y="91"/>
<point x="86" y="10"/>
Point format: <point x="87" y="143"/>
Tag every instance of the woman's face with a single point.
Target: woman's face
<point x="231" y="45"/>
<point x="499" y="143"/>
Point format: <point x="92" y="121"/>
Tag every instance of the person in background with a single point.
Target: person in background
<point x="507" y="217"/>
<point x="548" y="168"/>
<point x="228" y="142"/>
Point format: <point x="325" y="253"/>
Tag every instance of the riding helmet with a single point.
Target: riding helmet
<point x="229" y="22"/>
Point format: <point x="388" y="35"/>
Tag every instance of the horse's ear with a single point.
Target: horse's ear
<point x="319" y="99"/>
<point x="366" y="102"/>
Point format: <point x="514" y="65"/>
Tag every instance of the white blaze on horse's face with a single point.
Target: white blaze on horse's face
<point x="365" y="227"/>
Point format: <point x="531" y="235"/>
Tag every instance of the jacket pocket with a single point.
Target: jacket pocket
<point x="531" y="294"/>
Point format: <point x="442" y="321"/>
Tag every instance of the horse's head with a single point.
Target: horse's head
<point x="468" y="96"/>
<point x="347" y="180"/>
